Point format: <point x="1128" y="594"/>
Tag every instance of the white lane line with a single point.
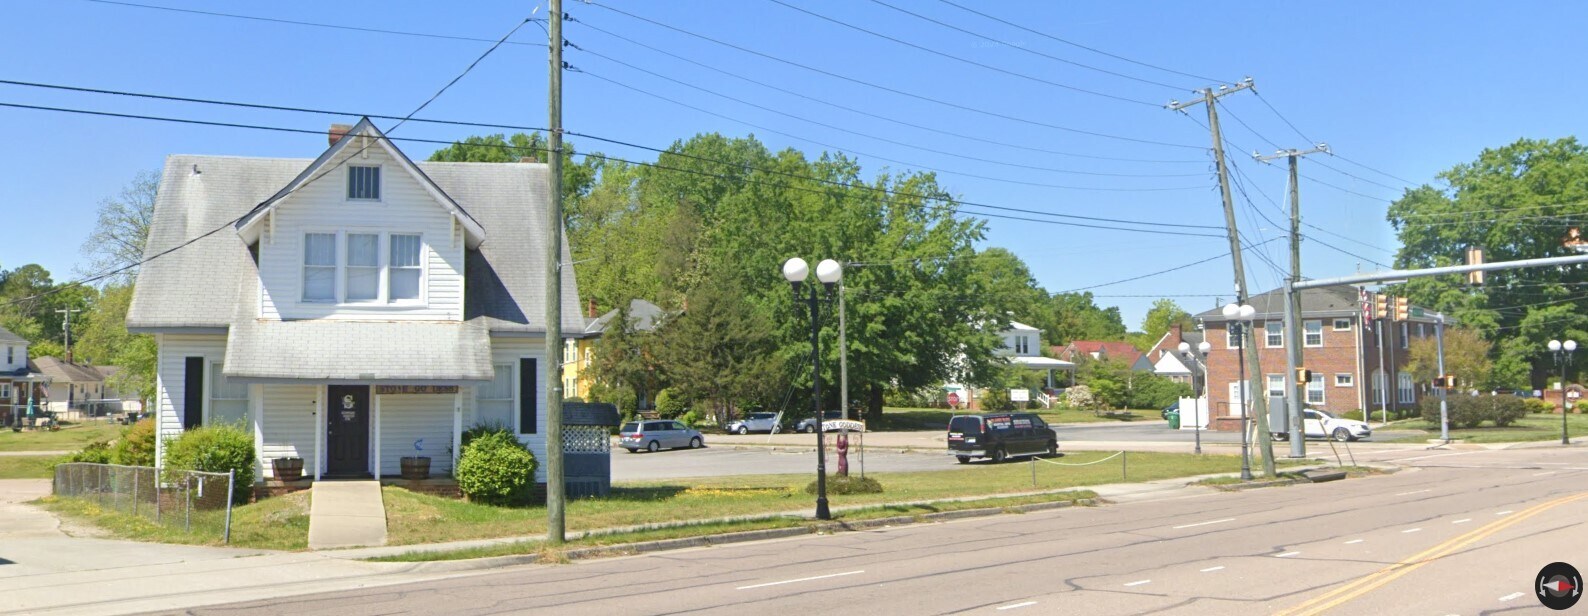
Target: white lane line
<point x="1543" y="473"/>
<point x="1204" y="523"/>
<point x="1462" y="521"/>
<point x="1506" y="512"/>
<point x="1015" y="605"/>
<point x="806" y="579"/>
<point x="1212" y="569"/>
<point x="1286" y="555"/>
<point x="1514" y="595"/>
<point x="1415" y="492"/>
<point x="1550" y="463"/>
<point x="1137" y="582"/>
<point x="1355" y="541"/>
<point x="1413" y="530"/>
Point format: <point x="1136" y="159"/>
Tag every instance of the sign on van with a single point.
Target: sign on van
<point x="1020" y="395"/>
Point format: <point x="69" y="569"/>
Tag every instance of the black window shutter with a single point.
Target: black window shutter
<point x="526" y="397"/>
<point x="193" y="394"/>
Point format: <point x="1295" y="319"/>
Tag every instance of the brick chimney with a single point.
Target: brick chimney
<point x="526" y="159"/>
<point x="590" y="307"/>
<point x="337" y="132"/>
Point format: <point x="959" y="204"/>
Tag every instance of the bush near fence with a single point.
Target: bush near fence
<point x="214" y="449"/>
<point x="193" y="502"/>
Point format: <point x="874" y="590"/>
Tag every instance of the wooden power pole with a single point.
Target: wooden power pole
<point x="1293" y="342"/>
<point x="1210" y="98"/>
<point x="555" y="486"/>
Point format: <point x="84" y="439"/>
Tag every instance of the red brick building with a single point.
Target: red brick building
<point x="1343" y="355"/>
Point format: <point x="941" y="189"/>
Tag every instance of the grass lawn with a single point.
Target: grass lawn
<point x="280" y="523"/>
<point x="71" y="437"/>
<point x="417" y="518"/>
<point x="937" y="419"/>
<point x="1533" y="427"/>
<point x="27" y="467"/>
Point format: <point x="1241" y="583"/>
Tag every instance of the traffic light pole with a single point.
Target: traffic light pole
<point x="1444" y="387"/>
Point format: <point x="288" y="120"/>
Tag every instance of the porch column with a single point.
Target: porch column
<point x="256" y="415"/>
<point x="457" y="428"/>
<point x="377" y="437"/>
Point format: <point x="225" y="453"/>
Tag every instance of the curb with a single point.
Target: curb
<point x="641" y="547"/>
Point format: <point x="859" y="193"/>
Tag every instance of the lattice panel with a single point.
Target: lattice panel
<point x="586" y="439"/>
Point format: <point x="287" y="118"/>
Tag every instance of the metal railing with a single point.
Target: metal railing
<point x="195" y="502"/>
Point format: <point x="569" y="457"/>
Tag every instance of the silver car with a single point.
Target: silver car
<point x="756" y="422"/>
<point x="656" y="434"/>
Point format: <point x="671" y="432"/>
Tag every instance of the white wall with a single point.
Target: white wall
<point x="408" y="418"/>
<point x="323" y="207"/>
<point x="18" y="353"/>
<point x="510" y="350"/>
<point x="287" y="424"/>
<point x="171" y="372"/>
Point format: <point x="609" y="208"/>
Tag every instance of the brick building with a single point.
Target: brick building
<point x="1343" y="356"/>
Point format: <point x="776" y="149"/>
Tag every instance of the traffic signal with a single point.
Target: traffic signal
<point x="1447" y="381"/>
<point x="1380" y="306"/>
<point x="1303" y="376"/>
<point x="1403" y="309"/>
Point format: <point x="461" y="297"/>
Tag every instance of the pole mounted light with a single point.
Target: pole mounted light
<point x="1197" y="361"/>
<point x="828" y="272"/>
<point x="1562" y="352"/>
<point x="1240" y="317"/>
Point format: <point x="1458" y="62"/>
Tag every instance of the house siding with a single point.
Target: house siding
<point x="287" y="424"/>
<point x="322" y="207"/>
<point x="405" y="419"/>
<point x="171" y="372"/>
<point x="509" y="350"/>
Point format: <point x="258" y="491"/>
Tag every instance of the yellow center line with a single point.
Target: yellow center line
<point x="1368" y="583"/>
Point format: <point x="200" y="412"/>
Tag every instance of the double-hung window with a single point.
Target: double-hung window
<point x="1275" y="334"/>
<point x="228" y="399"/>
<point x="1404" y="393"/>
<point x="1315" y="391"/>
<point x="1232" y="336"/>
<point x="1276" y="385"/>
<point x="363" y="267"/>
<point x="404" y="270"/>
<point x="319" y="267"/>
<point x="1312" y="333"/>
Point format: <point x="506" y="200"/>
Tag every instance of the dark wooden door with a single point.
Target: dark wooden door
<point x="347" y="430"/>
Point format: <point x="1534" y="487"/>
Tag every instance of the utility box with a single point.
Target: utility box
<point x="1278" y="415"/>
<point x="587" y="448"/>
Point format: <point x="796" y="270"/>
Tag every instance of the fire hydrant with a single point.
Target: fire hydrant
<point x="843" y="454"/>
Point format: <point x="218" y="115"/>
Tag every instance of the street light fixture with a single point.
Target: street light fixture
<point x="1197" y="361"/>
<point x="1240" y="318"/>
<point x="828" y="272"/>
<point x="1562" y="352"/>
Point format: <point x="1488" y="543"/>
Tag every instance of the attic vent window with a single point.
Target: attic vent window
<point x="363" y="183"/>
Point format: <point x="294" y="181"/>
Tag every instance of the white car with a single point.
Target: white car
<point x="756" y="422"/>
<point x="1318" y="423"/>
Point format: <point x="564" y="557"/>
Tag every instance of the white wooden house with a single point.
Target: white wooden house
<point x="352" y="309"/>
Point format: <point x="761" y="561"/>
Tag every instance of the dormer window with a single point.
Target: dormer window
<point x="363" y="183"/>
<point x="405" y="271"/>
<point x="356" y="274"/>
<point x="319" y="267"/>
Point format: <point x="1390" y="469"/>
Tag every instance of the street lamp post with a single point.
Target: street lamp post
<point x="1562" y="352"/>
<point x="1197" y="361"/>
<point x="828" y="272"/>
<point x="1240" y="317"/>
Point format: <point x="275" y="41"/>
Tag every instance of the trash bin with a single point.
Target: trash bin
<point x="1174" y="420"/>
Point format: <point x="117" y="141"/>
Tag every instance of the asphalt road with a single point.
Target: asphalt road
<point x="1461" y="532"/>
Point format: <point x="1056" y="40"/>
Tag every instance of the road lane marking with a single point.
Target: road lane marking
<point x="1442" y="455"/>
<point x="1015" y="605"/>
<point x="805" y="579"/>
<point x="1204" y="523"/>
<point x="1378" y="579"/>
<point x="1137" y="582"/>
<point x="1286" y="555"/>
<point x="1415" y="492"/>
<point x="1210" y="569"/>
<point x="1355" y="541"/>
<point x="1551" y="463"/>
<point x="1543" y="473"/>
<point x="1412" y="530"/>
<point x="1514" y="595"/>
<point x="1506" y="512"/>
<point x="1462" y="521"/>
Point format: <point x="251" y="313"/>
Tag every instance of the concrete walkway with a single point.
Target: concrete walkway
<point x="345" y="514"/>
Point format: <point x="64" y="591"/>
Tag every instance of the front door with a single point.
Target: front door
<point x="347" y="430"/>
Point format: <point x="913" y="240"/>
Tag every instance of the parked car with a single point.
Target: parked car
<point x="755" y="422"/>
<point x="1172" y="408"/>
<point x="1318" y="423"/>
<point x="808" y="424"/>
<point x="1000" y="436"/>
<point x="654" y="434"/>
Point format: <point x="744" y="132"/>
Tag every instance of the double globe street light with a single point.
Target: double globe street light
<point x="1240" y="319"/>
<point x="1197" y="361"/>
<point x="1562" y="352"/>
<point x="828" y="272"/>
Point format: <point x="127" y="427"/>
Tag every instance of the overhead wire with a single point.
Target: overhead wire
<point x="308" y="23"/>
<point x="1160" y="272"/>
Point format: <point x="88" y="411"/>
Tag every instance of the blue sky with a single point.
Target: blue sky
<point x="1405" y="88"/>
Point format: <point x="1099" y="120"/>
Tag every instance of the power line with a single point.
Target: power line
<point x="1024" y="49"/>
<point x="309" y="23"/>
<point x="1075" y="44"/>
<point x="877" y="116"/>
<point x="891" y="89"/>
<point x="1385" y="174"/>
<point x="1267" y="197"/>
<point x="1282" y="117"/>
<point x="1161" y="272"/>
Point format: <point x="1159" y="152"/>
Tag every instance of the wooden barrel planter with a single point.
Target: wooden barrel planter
<point x="288" y="469"/>
<point x="415" y="467"/>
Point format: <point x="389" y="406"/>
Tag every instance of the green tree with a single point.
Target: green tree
<point x="1076" y="316"/>
<point x="625" y="359"/>
<point x="719" y="352"/>
<point x="1466" y="357"/>
<point x="122" y="229"/>
<point x="1164" y="314"/>
<point x="104" y="339"/>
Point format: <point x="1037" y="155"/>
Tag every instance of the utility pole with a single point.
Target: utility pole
<point x="1210" y="98"/>
<point x="555" y="487"/>
<point x="66" y="328"/>
<point x="1293" y="341"/>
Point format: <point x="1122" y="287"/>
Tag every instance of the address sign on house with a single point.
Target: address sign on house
<point x="415" y="389"/>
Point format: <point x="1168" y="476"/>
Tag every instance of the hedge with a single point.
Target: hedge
<point x="215" y="449"/>
<point x="495" y="468"/>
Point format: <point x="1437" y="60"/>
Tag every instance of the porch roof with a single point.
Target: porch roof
<point x="413" y="352"/>
<point x="1042" y="363"/>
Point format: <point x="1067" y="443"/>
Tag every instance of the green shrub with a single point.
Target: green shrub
<point x="136" y="447"/>
<point x="1505" y="410"/>
<point x="97" y="452"/>
<point x="1356" y="414"/>
<point x="1535" y="405"/>
<point x="481" y="429"/>
<point x="496" y="469"/>
<point x="691" y="418"/>
<point x="215" y="449"/>
<point x="850" y="484"/>
<point x="669" y="404"/>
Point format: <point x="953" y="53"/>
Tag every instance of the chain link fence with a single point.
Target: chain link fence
<point x="193" y="502"/>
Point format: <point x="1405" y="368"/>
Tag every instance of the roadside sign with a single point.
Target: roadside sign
<point x="953" y="399"/>
<point x="1020" y="395"/>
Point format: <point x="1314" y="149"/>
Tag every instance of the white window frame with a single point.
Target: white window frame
<point x="1270" y="380"/>
<point x="383" y="266"/>
<point x="1272" y="330"/>
<point x="1405" y="388"/>
<point x="347" y="267"/>
<point x="496" y="373"/>
<point x="1231" y="341"/>
<point x="1347" y="323"/>
<point x="387" y="268"/>
<point x="380" y="179"/>
<point x="1306" y="334"/>
<point x="1344" y="379"/>
<point x="1377" y="383"/>
<point x="1316" y="386"/>
<point x="211" y="396"/>
<point x="335" y="267"/>
<point x="5" y="392"/>
<point x="11" y="354"/>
